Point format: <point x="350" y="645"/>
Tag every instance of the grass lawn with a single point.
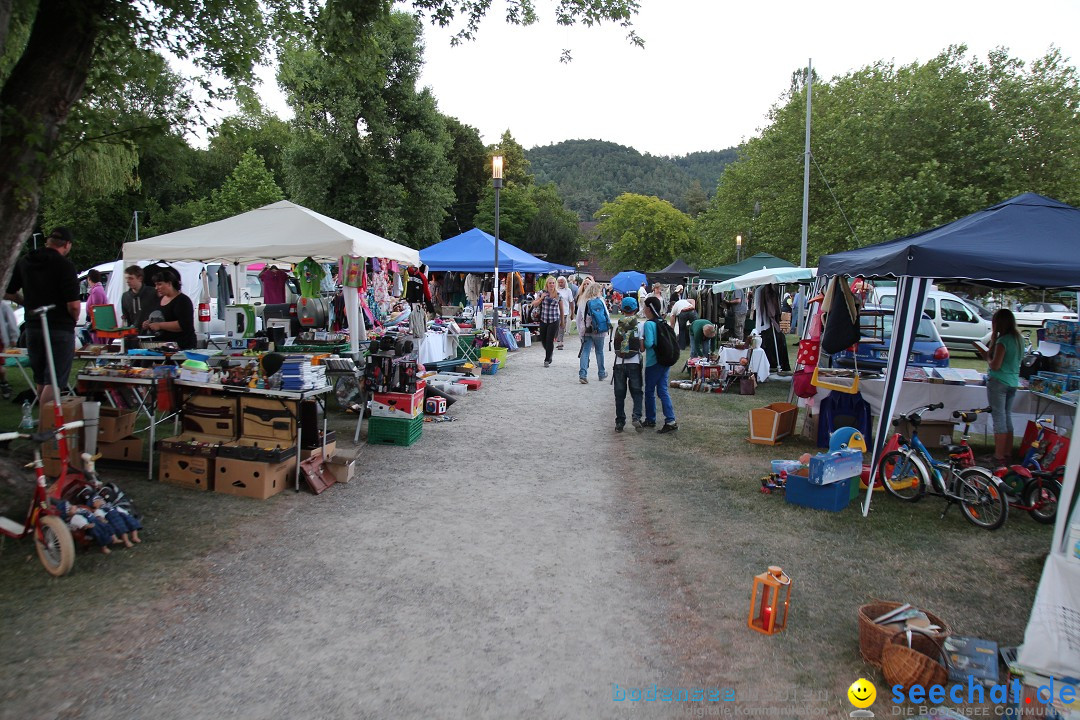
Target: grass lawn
<point x="713" y="528"/>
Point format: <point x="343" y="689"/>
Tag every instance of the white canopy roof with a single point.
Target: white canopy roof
<point x="282" y="231"/>
<point x="766" y="276"/>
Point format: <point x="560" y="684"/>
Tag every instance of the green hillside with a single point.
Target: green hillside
<point x="589" y="173"/>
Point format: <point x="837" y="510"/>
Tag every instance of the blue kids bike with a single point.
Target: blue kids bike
<point x="910" y="472"/>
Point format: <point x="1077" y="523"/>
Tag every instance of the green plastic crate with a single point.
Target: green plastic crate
<point x="394" y="431"/>
<point x="466" y="349"/>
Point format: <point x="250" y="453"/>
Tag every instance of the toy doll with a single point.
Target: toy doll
<point x="123" y="524"/>
<point x="82" y="518"/>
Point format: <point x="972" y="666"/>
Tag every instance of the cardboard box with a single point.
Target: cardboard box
<point x="129" y="449"/>
<point x="71" y="407"/>
<point x="331" y="447"/>
<point x="51" y="466"/>
<point x="251" y="479"/>
<point x="401" y="406"/>
<point x="269" y="419"/>
<point x="257" y="450"/>
<point x="194" y="472"/>
<point x="115" y="424"/>
<point x="930" y="431"/>
<point x="50" y="450"/>
<point x="344" y="466"/>
<point x="211" y="415"/>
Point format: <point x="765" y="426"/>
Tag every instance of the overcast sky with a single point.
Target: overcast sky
<point x="710" y="69"/>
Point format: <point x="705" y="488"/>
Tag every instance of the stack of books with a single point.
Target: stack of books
<point x="297" y="373"/>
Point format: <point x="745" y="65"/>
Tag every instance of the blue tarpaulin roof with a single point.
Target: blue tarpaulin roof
<point x="1026" y="240"/>
<point x="474" y="251"/>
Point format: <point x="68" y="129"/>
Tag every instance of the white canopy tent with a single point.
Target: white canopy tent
<point x="766" y="276"/>
<point x="282" y="231"/>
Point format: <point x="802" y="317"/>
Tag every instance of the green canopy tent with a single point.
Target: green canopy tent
<point x="755" y="262"/>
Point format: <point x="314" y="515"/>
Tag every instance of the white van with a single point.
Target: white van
<point x="957" y="322"/>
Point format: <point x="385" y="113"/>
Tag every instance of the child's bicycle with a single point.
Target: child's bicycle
<point x="911" y="471"/>
<point x="1030" y="488"/>
<point x="52" y="538"/>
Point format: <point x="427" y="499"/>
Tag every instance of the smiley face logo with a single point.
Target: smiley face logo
<point x="862" y="693"/>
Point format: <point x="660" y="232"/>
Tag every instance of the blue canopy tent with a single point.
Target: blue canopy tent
<point x="1027" y="240"/>
<point x="474" y="251"/>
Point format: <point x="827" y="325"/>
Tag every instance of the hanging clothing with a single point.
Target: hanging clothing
<point x="224" y="291"/>
<point x="352" y="271"/>
<point x="310" y="275"/>
<point x="472" y="288"/>
<point x="273" y="281"/>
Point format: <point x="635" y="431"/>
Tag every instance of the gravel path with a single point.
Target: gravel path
<point x="495" y="569"/>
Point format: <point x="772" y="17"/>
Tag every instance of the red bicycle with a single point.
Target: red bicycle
<point x="52" y="538"/>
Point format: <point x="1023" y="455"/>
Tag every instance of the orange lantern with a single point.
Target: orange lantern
<point x="769" y="601"/>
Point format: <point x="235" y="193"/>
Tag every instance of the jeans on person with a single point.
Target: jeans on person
<point x="1001" y="400"/>
<point x="656" y="383"/>
<point x="562" y="329"/>
<point x="62" y="342"/>
<point x="596" y="341"/>
<point x="685" y="319"/>
<point x="702" y="350"/>
<point x="740" y="326"/>
<point x="627" y="376"/>
<point x="547" y="338"/>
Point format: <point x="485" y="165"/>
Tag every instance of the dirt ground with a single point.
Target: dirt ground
<point x="497" y="568"/>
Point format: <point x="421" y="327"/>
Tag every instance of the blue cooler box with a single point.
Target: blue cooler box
<point x="832" y="497"/>
<point x="828" y="468"/>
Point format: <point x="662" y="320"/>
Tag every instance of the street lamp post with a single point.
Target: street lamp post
<point x="738" y="248"/>
<point x="497" y="183"/>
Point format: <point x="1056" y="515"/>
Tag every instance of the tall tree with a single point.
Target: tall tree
<point x="644" y="233"/>
<point x="381" y="145"/>
<point x="899" y="149"/>
<point x="471" y="176"/>
<point x="48" y="47"/>
<point x="553" y="231"/>
<point x="249" y="186"/>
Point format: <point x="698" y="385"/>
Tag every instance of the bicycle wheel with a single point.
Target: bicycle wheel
<point x="55" y="546"/>
<point x="982" y="499"/>
<point x="903" y="475"/>
<point x="1042" y="497"/>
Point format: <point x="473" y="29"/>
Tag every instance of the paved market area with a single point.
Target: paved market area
<point x="495" y="569"/>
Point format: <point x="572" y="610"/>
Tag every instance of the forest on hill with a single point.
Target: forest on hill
<point x="589" y="173"/>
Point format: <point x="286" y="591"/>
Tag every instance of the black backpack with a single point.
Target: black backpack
<point x="667" y="345"/>
<point x="1031" y="364"/>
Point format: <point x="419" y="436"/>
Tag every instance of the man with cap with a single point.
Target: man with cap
<point x="46" y="277"/>
<point x="627" y="370"/>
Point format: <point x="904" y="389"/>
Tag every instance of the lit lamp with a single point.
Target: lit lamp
<point x="769" y="601"/>
<point x="497" y="183"/>
<point x="738" y="248"/>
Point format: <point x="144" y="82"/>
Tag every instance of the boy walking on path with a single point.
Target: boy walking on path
<point x="627" y="370"/>
<point x="656" y="374"/>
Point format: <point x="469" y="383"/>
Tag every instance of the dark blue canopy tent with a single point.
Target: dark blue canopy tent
<point x="1027" y="240"/>
<point x="474" y="251"/>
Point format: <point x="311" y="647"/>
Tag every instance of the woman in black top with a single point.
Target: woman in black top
<point x="177" y="321"/>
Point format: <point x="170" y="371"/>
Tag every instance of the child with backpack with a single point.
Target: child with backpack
<point x="661" y="352"/>
<point x="627" y="367"/>
<point x="593" y="324"/>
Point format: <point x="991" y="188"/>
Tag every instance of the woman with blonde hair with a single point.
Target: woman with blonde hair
<point x="591" y="334"/>
<point x="550" y="315"/>
<point x="566" y="295"/>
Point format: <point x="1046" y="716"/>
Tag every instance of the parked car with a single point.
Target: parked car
<point x="958" y="323"/>
<point x="872" y="350"/>
<point x="984" y="310"/>
<point x="1036" y="313"/>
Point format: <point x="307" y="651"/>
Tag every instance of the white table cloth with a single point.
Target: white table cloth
<point x="759" y="362"/>
<point x="437" y="346"/>
<point x="961" y="397"/>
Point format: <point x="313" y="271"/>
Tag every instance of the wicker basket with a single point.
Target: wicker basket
<point x="924" y="663"/>
<point x="872" y="637"/>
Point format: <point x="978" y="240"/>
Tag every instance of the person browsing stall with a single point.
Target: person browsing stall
<point x="174" y="320"/>
<point x="1003" y="358"/>
<point x="46" y="277"/>
<point x="702" y="333"/>
<point x="550" y="305"/>
<point x="139" y="300"/>
<point x="656" y="375"/>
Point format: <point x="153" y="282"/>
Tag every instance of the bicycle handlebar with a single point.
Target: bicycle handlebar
<point x="916" y="414"/>
<point x="43" y="435"/>
<point x="977" y="411"/>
